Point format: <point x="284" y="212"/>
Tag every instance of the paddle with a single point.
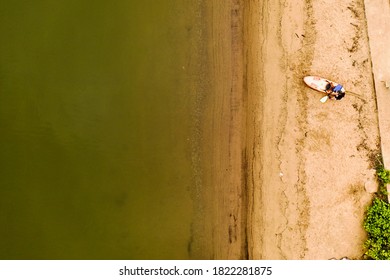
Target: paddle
<point x="324" y="99"/>
<point x="355" y="94"/>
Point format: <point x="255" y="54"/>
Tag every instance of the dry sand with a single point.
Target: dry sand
<point x="313" y="160"/>
<point x="288" y="174"/>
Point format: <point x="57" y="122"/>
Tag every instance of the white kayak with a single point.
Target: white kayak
<point x="319" y="84"/>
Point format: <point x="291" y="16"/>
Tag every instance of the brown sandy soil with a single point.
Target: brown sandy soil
<point x="283" y="175"/>
<point x="222" y="213"/>
<point x="310" y="161"/>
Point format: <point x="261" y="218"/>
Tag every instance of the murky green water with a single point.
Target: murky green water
<point x="96" y="118"/>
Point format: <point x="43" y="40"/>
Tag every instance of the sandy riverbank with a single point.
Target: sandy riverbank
<point x="223" y="178"/>
<point x="313" y="159"/>
<point x="286" y="174"/>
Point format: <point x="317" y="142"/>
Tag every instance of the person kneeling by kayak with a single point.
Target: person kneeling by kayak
<point x="335" y="92"/>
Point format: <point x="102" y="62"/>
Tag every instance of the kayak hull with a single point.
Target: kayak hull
<point x="318" y="83"/>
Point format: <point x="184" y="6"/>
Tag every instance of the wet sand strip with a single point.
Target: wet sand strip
<point x="222" y="135"/>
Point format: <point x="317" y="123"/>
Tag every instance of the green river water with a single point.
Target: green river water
<point x="97" y="118"/>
